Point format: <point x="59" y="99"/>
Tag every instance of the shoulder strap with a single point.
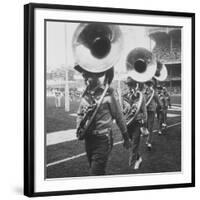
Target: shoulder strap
<point x="99" y="102"/>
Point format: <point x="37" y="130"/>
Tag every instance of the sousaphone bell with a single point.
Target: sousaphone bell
<point x="161" y="72"/>
<point x="97" y="46"/>
<point x="141" y="64"/>
<point x="141" y="67"/>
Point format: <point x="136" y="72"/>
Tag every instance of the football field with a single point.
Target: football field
<point x="65" y="155"/>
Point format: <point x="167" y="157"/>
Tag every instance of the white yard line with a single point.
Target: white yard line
<point x="73" y="115"/>
<point x="174" y="104"/>
<point x="83" y="154"/>
<point x="175" y="108"/>
<point x="66" y="159"/>
<point x="61" y="136"/>
<point x="172" y="115"/>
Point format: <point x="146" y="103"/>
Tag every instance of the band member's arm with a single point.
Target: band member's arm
<point x="80" y="112"/>
<point x="142" y="115"/>
<point x="117" y="114"/>
<point x="168" y="98"/>
<point x="169" y="101"/>
<point x="157" y="100"/>
<point x="144" y="110"/>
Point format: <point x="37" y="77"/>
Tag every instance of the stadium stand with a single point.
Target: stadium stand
<point x="167" y="49"/>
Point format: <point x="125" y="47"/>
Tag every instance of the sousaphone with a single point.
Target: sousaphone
<point x="160" y="75"/>
<point x="96" y="47"/>
<point x="141" y="67"/>
<point x="161" y="72"/>
<point x="141" y="64"/>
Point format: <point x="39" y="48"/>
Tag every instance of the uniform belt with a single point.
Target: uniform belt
<point x="101" y="132"/>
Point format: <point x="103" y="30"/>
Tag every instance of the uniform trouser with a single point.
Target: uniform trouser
<point x="158" y="113"/>
<point x="134" y="133"/>
<point x="58" y="101"/>
<point x="165" y="116"/>
<point x="162" y="118"/>
<point x="169" y="101"/>
<point x="98" y="148"/>
<point x="150" y="125"/>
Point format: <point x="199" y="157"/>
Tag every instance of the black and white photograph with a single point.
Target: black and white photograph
<point x="112" y="86"/>
<point x="109" y="99"/>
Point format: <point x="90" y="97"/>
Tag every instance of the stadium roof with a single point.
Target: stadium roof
<point x="157" y="33"/>
<point x="172" y="62"/>
<point x="162" y="29"/>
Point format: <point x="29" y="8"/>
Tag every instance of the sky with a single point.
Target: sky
<point x="59" y="39"/>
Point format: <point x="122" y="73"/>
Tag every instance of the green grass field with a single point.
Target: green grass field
<point x="164" y="157"/>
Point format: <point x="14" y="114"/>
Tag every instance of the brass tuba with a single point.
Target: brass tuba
<point x="141" y="67"/>
<point x="160" y="75"/>
<point x="141" y="64"/>
<point x="96" y="48"/>
<point x="161" y="72"/>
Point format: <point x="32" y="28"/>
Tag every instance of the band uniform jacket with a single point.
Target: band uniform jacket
<point x="155" y="102"/>
<point x="142" y="115"/>
<point x="167" y="96"/>
<point x="164" y="100"/>
<point x="108" y="111"/>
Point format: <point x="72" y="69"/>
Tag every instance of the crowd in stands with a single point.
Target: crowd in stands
<point x="168" y="50"/>
<point x="74" y="94"/>
<point x="164" y="54"/>
<point x="174" y="90"/>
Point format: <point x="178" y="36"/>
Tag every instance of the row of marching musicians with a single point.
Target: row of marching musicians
<point x="99" y="137"/>
<point x="96" y="49"/>
<point x="155" y="103"/>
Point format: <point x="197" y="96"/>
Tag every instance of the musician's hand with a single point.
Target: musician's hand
<point x="79" y="133"/>
<point x="127" y="143"/>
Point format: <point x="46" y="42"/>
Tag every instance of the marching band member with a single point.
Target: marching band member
<point x="167" y="104"/>
<point x="165" y="107"/>
<point x="151" y="110"/>
<point x="99" y="140"/>
<point x="167" y="95"/>
<point x="134" y="130"/>
<point x="162" y="112"/>
<point x="58" y="97"/>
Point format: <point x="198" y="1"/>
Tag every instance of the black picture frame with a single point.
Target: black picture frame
<point x="29" y="96"/>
